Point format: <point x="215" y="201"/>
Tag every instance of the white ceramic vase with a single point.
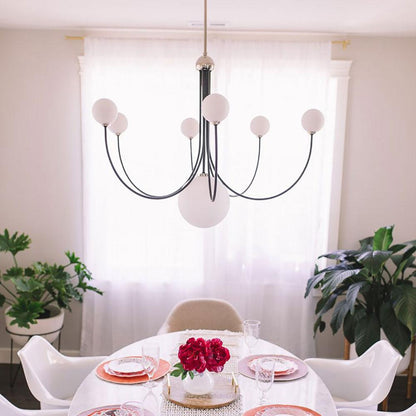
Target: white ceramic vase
<point x="202" y="383"/>
<point x="50" y="326"/>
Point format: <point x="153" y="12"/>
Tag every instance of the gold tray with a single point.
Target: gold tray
<point x="225" y="391"/>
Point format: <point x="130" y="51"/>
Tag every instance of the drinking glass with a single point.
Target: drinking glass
<point x="264" y="376"/>
<point x="150" y="360"/>
<point x="131" y="408"/>
<point x="251" y="333"/>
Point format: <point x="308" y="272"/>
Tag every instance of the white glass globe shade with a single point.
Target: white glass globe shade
<point x="260" y="126"/>
<point x="190" y="128"/>
<point x="313" y="121"/>
<point x="104" y="111"/>
<point x="215" y="108"/>
<point x="196" y="206"/>
<point x="119" y="125"/>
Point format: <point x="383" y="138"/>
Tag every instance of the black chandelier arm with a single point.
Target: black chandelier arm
<point x="255" y="171"/>
<point x="191" y="154"/>
<point x="141" y="193"/>
<point x="213" y="168"/>
<point x="280" y="193"/>
<point x="125" y="171"/>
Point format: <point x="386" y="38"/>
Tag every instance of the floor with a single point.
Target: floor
<point x="20" y="395"/>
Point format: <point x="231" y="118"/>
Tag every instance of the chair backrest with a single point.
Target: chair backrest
<point x="45" y="370"/>
<point x="372" y="374"/>
<point x="215" y="314"/>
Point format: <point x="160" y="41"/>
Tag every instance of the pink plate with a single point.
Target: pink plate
<point x="281" y="409"/>
<point x="109" y="410"/>
<point x="301" y="371"/>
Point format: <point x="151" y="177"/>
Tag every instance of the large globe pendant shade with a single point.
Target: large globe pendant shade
<point x="196" y="206"/>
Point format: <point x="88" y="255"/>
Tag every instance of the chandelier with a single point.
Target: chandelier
<point x="204" y="197"/>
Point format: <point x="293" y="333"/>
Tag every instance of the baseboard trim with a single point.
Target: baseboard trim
<point x="5" y="354"/>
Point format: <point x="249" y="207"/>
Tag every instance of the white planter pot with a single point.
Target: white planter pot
<point x="50" y="326"/>
<point x="202" y="383"/>
<point x="404" y="363"/>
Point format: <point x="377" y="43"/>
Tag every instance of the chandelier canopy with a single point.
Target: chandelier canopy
<point x="204" y="197"/>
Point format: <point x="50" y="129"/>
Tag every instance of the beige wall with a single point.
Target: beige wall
<point x="379" y="177"/>
<point x="40" y="148"/>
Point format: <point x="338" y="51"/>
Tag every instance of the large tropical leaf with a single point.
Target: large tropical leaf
<point x="313" y="281"/>
<point x="406" y="260"/>
<point x="397" y="333"/>
<point x="340" y="310"/>
<point x="383" y="237"/>
<point x="319" y="324"/>
<point x="352" y="294"/>
<point x="348" y="328"/>
<point x="341" y="255"/>
<point x="366" y="244"/>
<point x="325" y="304"/>
<point x="404" y="301"/>
<point x="335" y="277"/>
<point x="366" y="333"/>
<point x="374" y="260"/>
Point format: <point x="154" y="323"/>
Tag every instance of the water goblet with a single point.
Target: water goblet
<point x="251" y="333"/>
<point x="131" y="408"/>
<point x="264" y="376"/>
<point x="150" y="360"/>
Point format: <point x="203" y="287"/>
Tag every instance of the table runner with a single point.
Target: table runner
<point x="171" y="409"/>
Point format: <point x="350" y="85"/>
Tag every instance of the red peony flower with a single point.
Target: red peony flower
<point x="217" y="356"/>
<point x="193" y="355"/>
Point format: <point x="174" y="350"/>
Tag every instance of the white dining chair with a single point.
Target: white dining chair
<point x="52" y="377"/>
<point x="201" y="313"/>
<point x="8" y="409"/>
<point x="360" y="383"/>
<point x="411" y="411"/>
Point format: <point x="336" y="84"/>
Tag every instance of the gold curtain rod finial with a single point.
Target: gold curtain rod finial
<point x="74" y="37"/>
<point x="345" y="43"/>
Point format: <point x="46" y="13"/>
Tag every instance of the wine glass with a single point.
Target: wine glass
<point x="131" y="408"/>
<point x="264" y="376"/>
<point x="150" y="360"/>
<point x="251" y="333"/>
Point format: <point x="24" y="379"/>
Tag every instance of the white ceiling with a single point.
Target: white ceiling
<point x="371" y="17"/>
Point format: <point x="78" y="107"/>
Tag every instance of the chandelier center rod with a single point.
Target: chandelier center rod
<point x="205" y="27"/>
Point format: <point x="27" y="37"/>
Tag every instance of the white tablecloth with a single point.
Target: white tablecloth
<point x="308" y="392"/>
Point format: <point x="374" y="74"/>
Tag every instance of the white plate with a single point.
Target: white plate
<point x="282" y="411"/>
<point x="281" y="365"/>
<point x="129" y="366"/>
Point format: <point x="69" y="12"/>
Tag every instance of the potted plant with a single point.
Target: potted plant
<point x="369" y="289"/>
<point x="38" y="295"/>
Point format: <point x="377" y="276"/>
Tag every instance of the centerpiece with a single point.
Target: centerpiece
<point x="198" y="357"/>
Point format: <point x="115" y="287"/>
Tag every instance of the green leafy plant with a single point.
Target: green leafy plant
<point x="369" y="289"/>
<point x="30" y="290"/>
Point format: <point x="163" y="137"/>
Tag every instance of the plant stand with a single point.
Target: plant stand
<point x="408" y="371"/>
<point x="13" y="377"/>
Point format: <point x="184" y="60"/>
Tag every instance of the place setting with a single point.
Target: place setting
<point x="137" y="369"/>
<point x="286" y="368"/>
<point x="130" y="408"/>
<point x="267" y="369"/>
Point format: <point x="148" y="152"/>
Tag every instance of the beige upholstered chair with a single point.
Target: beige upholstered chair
<point x="216" y="314"/>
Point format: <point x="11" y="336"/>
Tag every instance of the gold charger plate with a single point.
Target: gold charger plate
<point x="224" y="392"/>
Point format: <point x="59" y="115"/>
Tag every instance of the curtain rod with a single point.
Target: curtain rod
<point x="344" y="43"/>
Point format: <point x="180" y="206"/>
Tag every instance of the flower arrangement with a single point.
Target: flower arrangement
<point x="198" y="355"/>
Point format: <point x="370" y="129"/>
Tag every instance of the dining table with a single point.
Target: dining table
<point x="307" y="391"/>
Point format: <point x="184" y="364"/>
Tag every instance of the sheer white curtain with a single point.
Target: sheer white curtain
<point x="142" y="253"/>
